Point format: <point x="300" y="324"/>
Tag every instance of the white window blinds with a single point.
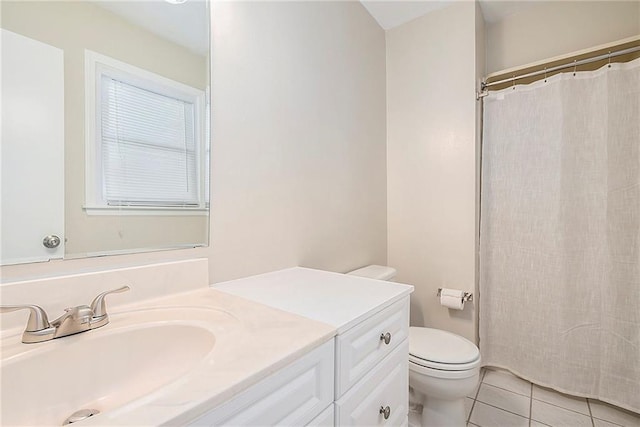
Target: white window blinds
<point x="148" y="147"/>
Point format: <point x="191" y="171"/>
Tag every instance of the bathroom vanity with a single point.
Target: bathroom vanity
<point x="294" y="347"/>
<point x="371" y="318"/>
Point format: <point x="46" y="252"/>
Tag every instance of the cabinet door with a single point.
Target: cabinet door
<point x="293" y="396"/>
<point x="325" y="419"/>
<point x="386" y="388"/>
<point x="32" y="205"/>
<point x="361" y="348"/>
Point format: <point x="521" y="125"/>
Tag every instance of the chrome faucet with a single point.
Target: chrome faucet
<point x="74" y="320"/>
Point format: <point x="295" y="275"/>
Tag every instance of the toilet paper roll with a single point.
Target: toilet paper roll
<point x="452" y="298"/>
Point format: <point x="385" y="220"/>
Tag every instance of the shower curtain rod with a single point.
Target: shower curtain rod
<point x="611" y="54"/>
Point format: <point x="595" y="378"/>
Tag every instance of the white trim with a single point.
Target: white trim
<point x="146" y="210"/>
<point x="96" y="64"/>
<point x="137" y="251"/>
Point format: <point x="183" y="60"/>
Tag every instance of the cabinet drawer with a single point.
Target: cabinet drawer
<point x="293" y="396"/>
<point x="361" y="348"/>
<point x="386" y="386"/>
<point x="325" y="419"/>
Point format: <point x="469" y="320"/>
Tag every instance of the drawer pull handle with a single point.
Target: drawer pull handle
<point x="385" y="411"/>
<point x="386" y="337"/>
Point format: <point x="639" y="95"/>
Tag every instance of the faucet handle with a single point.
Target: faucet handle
<point x="98" y="306"/>
<point x="38" y="319"/>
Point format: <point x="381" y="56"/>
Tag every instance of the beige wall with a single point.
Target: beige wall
<point x="74" y="26"/>
<point x="431" y="161"/>
<point x="549" y="29"/>
<point x="298" y="144"/>
<point x="298" y="173"/>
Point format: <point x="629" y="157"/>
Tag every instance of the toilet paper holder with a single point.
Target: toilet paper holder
<point x="466" y="296"/>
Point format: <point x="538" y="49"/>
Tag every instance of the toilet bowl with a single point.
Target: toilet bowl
<point x="443" y="367"/>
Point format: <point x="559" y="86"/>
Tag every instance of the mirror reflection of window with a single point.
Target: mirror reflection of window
<point x="148" y="139"/>
<point x="161" y="143"/>
<point x="149" y="155"/>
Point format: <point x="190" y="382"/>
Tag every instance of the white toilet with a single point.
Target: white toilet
<point x="443" y="367"/>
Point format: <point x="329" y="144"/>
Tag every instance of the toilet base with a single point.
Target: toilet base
<point x="443" y="413"/>
<point x="443" y="394"/>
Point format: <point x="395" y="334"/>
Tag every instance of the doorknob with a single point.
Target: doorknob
<point x="51" y="241"/>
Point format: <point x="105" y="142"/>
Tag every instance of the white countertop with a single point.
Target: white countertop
<point x="252" y="341"/>
<point x="268" y="341"/>
<point x="293" y="311"/>
<point x="337" y="299"/>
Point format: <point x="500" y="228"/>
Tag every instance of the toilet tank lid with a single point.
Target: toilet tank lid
<point x="379" y="272"/>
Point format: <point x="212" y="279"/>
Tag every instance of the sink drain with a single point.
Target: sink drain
<point x="80" y="415"/>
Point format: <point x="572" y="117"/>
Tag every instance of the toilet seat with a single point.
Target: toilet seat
<point x="415" y="369"/>
<point x="441" y="350"/>
<point x="443" y="366"/>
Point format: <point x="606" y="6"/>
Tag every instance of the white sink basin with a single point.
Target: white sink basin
<point x="160" y="361"/>
<point x="138" y="353"/>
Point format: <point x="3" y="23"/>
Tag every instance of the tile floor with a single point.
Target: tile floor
<point x="504" y="400"/>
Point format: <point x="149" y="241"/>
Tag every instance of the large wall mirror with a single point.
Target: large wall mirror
<point x="105" y="127"/>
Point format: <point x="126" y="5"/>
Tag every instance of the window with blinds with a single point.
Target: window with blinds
<point x="148" y="147"/>
<point x="146" y="138"/>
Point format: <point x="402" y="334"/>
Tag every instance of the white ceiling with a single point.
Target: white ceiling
<point x="496" y="10"/>
<point x="392" y="13"/>
<point x="184" y="24"/>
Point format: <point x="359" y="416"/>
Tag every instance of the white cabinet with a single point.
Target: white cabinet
<point x="381" y="398"/>
<point x="371" y="381"/>
<point x="325" y="419"/>
<point x="362" y="347"/>
<point x="293" y="396"/>
<point x="372" y="376"/>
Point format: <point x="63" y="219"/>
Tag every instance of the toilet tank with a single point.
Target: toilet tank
<point x="379" y="272"/>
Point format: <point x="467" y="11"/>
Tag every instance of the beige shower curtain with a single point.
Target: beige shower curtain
<point x="560" y="233"/>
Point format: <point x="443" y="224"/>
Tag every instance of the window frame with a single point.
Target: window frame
<point x="97" y="65"/>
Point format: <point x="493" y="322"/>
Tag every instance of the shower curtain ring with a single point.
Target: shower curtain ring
<point x="545" y="74"/>
<point x="609" y="65"/>
<point x="514" y="82"/>
<point x="575" y="65"/>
